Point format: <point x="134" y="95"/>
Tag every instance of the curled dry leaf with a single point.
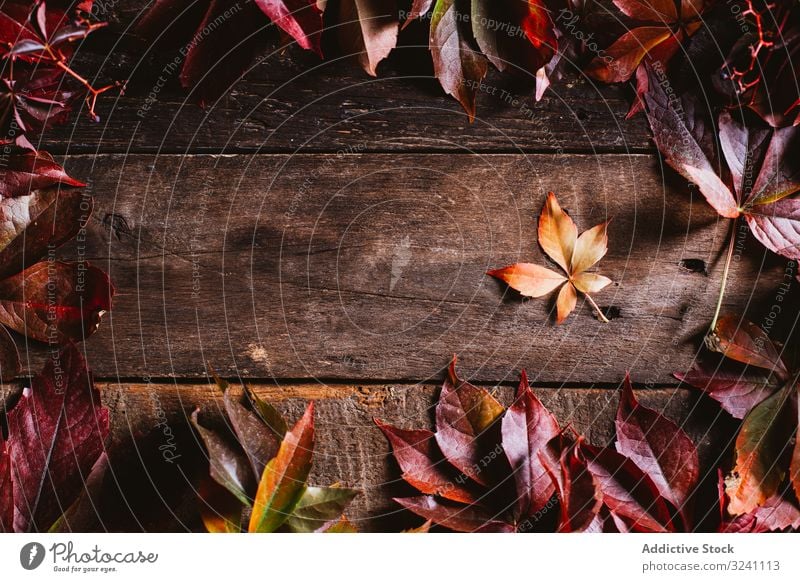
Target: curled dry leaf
<point x="558" y="237"/>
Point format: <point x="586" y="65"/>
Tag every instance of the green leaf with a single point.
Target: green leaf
<point x="319" y="506"/>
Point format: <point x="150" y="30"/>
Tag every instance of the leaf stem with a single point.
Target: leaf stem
<point x="725" y="271"/>
<point x="600" y="314"/>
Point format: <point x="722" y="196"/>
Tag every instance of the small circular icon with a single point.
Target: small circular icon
<point x="31" y="555"/>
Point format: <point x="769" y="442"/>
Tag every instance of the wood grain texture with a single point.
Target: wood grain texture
<point x="373" y="267"/>
<point x="290" y="101"/>
<point x="156" y="458"/>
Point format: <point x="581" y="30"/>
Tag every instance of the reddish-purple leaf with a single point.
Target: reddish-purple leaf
<point x="675" y="133"/>
<point x="658" y="447"/>
<point x="736" y="391"/>
<point x="56" y="434"/>
<point x="463" y="413"/>
<point x="580" y="499"/>
<point x="777" y="226"/>
<point x="459" y="66"/>
<point x="627" y="491"/>
<point x="56" y="302"/>
<point x="82" y="516"/>
<point x="300" y="19"/>
<point x="422" y="464"/>
<point x="23" y="173"/>
<point x="368" y="30"/>
<point x="462" y="518"/>
<point x="527" y="427"/>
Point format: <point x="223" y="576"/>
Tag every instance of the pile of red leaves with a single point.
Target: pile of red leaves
<point x="220" y="41"/>
<point x="44" y="298"/>
<point x="38" y="87"/>
<point x="491" y="469"/>
<point x="258" y="480"/>
<point x="54" y="451"/>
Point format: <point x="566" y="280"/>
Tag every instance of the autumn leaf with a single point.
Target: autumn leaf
<point x="659" y="447"/>
<point x="422" y="465"/>
<point x="56" y="434"/>
<point x="220" y="510"/>
<point x="463" y="413"/>
<point x="229" y="465"/>
<point x="558" y="237"/>
<point x="663" y="28"/>
<point x="341" y="526"/>
<point x="763" y="439"/>
<point x="368" y="30"/>
<point x="220" y="40"/>
<point x="24" y="172"/>
<point x="457" y="517"/>
<point x="776" y="514"/>
<point x="457" y="62"/>
<point x="283" y="482"/>
<point x="319" y="507"/>
<point x="516" y="36"/>
<point x="771" y="158"/>
<point x="527" y="427"/>
<point x="82" y="515"/>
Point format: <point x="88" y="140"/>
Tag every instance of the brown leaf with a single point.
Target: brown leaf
<point x="227" y="462"/>
<point x="368" y="30"/>
<point x="558" y="237"/>
<point x="284" y="480"/>
<point x="744" y="341"/>
<point x="258" y="441"/>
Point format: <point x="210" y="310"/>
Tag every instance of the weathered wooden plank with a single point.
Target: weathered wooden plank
<point x="291" y="101"/>
<point x="372" y="267"/>
<point x="156" y="459"/>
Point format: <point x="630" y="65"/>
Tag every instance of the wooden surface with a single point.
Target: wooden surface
<point x="325" y="235"/>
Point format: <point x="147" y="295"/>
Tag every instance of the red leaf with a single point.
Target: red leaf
<point x="23" y="173"/>
<point x="736" y="391"/>
<point x="460" y="518"/>
<point x="658" y="447"/>
<point x="627" y="491"/>
<point x="56" y="433"/>
<point x="527" y="427"/>
<point x="56" y="302"/>
<point x="679" y="138"/>
<point x="580" y="499"/>
<point x="10" y="364"/>
<point x="653" y="10"/>
<point x="777" y="226"/>
<point x="368" y="30"/>
<point x="300" y="19"/>
<point x="463" y="413"/>
<point x="422" y="464"/>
